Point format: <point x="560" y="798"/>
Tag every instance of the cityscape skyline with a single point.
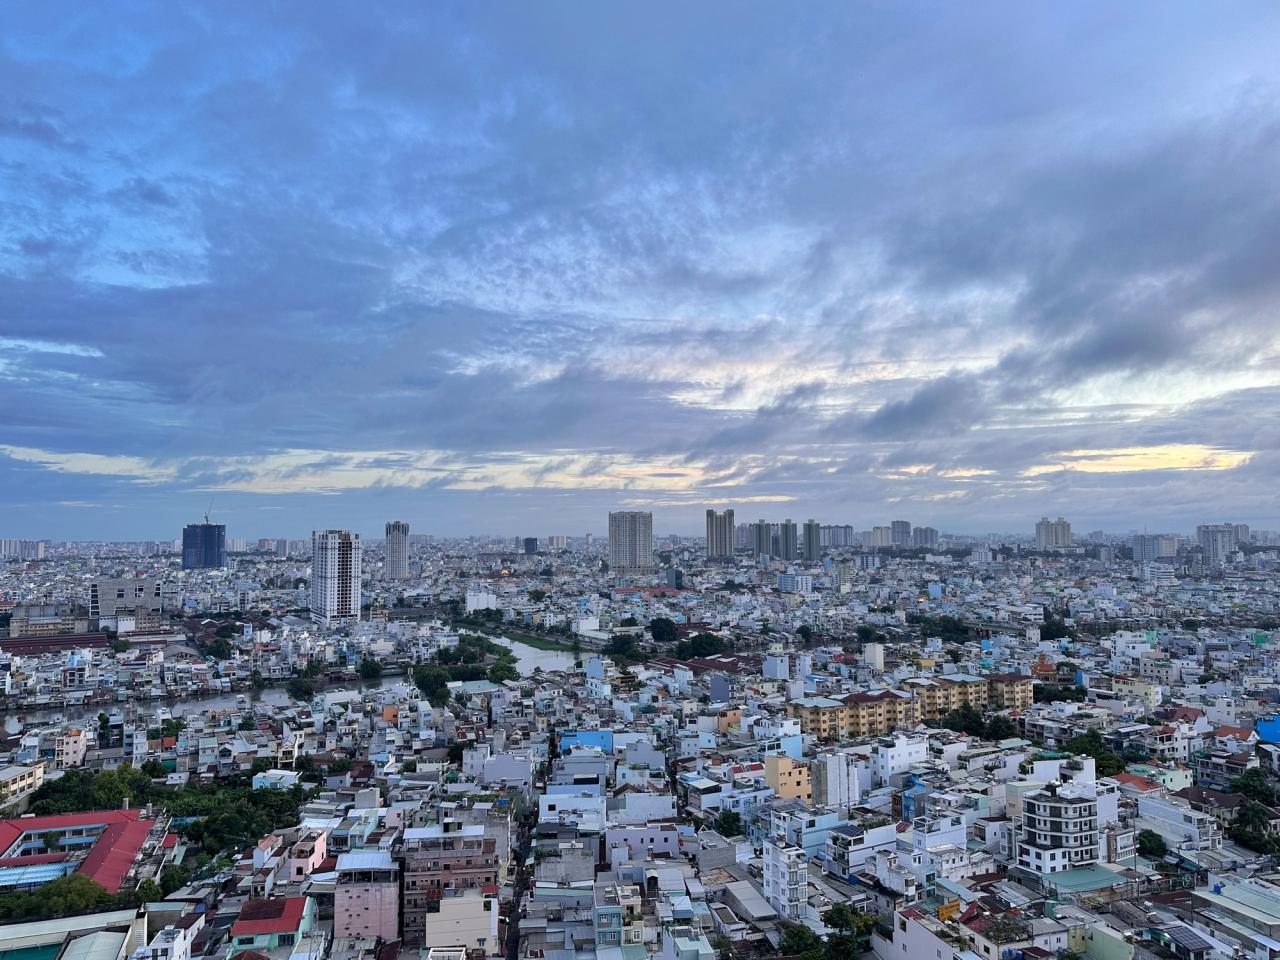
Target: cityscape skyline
<point x="602" y="259"/>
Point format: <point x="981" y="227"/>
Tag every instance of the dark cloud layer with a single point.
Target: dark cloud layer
<point x="498" y="268"/>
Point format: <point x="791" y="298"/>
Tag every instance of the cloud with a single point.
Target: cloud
<point x="494" y="267"/>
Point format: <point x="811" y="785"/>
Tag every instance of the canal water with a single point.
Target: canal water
<point x="528" y="659"/>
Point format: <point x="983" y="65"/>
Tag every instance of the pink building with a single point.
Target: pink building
<point x="306" y="855"/>
<point x="366" y="901"/>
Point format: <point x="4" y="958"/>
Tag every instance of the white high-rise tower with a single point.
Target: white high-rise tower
<point x="335" y="576"/>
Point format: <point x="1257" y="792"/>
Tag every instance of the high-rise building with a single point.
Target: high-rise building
<point x="1217" y="542"/>
<point x="23" y="549"/>
<point x="761" y="539"/>
<point x="900" y="530"/>
<point x="397" y="565"/>
<point x="812" y="541"/>
<point x="631" y="542"/>
<point x="1053" y="534"/>
<point x="335" y="576"/>
<point x="1145" y="546"/>
<point x="881" y="537"/>
<point x="926" y="537"/>
<point x="720" y="534"/>
<point x="557" y="542"/>
<point x="1242" y="533"/>
<point x="788" y="541"/>
<point x="530" y="546"/>
<point x="838" y="536"/>
<point x="204" y="546"/>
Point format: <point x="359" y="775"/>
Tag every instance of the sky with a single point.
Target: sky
<point x="500" y="268"/>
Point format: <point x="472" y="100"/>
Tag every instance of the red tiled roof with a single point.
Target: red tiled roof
<point x="170" y="841"/>
<point x="111" y="855"/>
<point x="34" y="859"/>
<point x="109" y="861"/>
<point x="280" y="915"/>
<point x="1240" y="733"/>
<point x="1142" y="783"/>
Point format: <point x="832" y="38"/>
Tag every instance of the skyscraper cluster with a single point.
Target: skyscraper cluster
<point x="720" y="534"/>
<point x="1053" y="534"/>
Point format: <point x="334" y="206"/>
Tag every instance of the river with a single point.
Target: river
<point x="528" y="659"/>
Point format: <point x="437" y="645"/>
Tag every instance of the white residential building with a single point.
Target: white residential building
<point x="335" y="576"/>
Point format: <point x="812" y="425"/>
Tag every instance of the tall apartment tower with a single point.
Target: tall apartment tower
<point x="397" y="565"/>
<point x="204" y="546"/>
<point x="335" y="576"/>
<point x="760" y="539"/>
<point x="926" y="537"/>
<point x="788" y="540"/>
<point x="812" y="541"/>
<point x="900" y="530"/>
<point x="720" y="534"/>
<point x="1052" y="534"/>
<point x="1216" y="540"/>
<point x="631" y="542"/>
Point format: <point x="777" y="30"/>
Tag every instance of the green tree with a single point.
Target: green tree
<point x="797" y="939"/>
<point x="729" y="823"/>
<point x="663" y="630"/>
<point x="369" y="669"/>
<point x="173" y="878"/>
<point x="153" y="768"/>
<point x="300" y="688"/>
<point x="1091" y="744"/>
<point x="502" y="671"/>
<point x="1000" y="727"/>
<point x="1256" y="785"/>
<point x="805" y="633"/>
<point x="119" y="645"/>
<point x="841" y="917"/>
<point x="149" y="891"/>
<point x="51" y="840"/>
<point x="1151" y="844"/>
<point x="965" y="719"/>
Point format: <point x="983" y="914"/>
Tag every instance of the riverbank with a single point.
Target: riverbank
<point x="519" y="636"/>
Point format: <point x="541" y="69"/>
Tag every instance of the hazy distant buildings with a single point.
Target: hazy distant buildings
<point x="1217" y="542"/>
<point x="529" y="545"/>
<point x="396" y="566"/>
<point x="812" y="541"/>
<point x="838" y="536"/>
<point x="881" y="537"/>
<point x="1147" y="547"/>
<point x="335" y="576"/>
<point x="760" y="539"/>
<point x="1053" y="534"/>
<point x="900" y="531"/>
<point x="926" y="537"/>
<point x="204" y="546"/>
<point x="557" y="542"/>
<point x="631" y="542"/>
<point x="720" y="534"/>
<point x="788" y="541"/>
<point x="22" y="549"/>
